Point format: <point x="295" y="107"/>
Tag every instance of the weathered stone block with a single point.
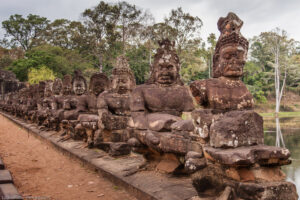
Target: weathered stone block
<point x="168" y="164"/>
<point x="257" y="174"/>
<point x="194" y="164"/>
<point x="183" y="125"/>
<point x="5" y="177"/>
<point x="119" y="149"/>
<point x="237" y="128"/>
<point x="194" y="161"/>
<point x="161" y="122"/>
<point x="246" y="156"/>
<point x="202" y="119"/>
<point x="9" y="191"/>
<point x="167" y="142"/>
<point x="1" y="164"/>
<point x="267" y="191"/>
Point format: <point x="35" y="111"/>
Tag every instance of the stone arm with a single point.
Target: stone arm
<point x="188" y="101"/>
<point x="54" y="103"/>
<point x="82" y="105"/>
<point x="138" y="109"/>
<point x="199" y="91"/>
<point x="103" y="111"/>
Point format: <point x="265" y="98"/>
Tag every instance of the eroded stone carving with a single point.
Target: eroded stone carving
<point x="114" y="111"/>
<point x="87" y="107"/>
<point x="232" y="132"/>
<point x="156" y="109"/>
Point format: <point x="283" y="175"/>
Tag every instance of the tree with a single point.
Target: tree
<point x="255" y="81"/>
<point x="24" y="32"/>
<point x="60" y="61"/>
<point x="186" y="29"/>
<point x="211" y="40"/>
<point x="138" y="61"/>
<point x="66" y="34"/>
<point x="293" y="72"/>
<point x="41" y="74"/>
<point x="129" y="21"/>
<point x="280" y="47"/>
<point x="101" y="24"/>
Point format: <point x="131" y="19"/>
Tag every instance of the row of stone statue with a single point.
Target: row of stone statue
<point x="222" y="144"/>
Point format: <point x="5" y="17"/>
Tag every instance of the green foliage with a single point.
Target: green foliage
<point x="60" y="61"/>
<point x="138" y="61"/>
<point x="67" y="34"/>
<point x="24" y="31"/>
<point x="5" y="61"/>
<point x="41" y="74"/>
<point x="254" y="79"/>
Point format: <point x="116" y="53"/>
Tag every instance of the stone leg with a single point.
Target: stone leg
<point x="90" y="137"/>
<point x="80" y="132"/>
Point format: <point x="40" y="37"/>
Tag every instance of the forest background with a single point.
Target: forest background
<point x="35" y="49"/>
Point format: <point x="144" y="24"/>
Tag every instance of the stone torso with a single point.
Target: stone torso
<point x="87" y="104"/>
<point x="117" y="104"/>
<point x="222" y="94"/>
<point x="171" y="100"/>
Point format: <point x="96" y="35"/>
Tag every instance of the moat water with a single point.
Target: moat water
<point x="290" y="128"/>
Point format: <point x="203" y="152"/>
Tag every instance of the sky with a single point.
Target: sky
<point x="258" y="15"/>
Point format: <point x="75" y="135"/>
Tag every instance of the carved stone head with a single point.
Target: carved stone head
<point x="98" y="83"/>
<point x="49" y="88"/>
<point x="67" y="85"/>
<point x="231" y="49"/>
<point x="41" y="89"/>
<point x="166" y="65"/>
<point x="32" y="90"/>
<point x="57" y="86"/>
<point x="79" y="83"/>
<point x="122" y="79"/>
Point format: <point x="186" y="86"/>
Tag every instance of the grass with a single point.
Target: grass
<point x="281" y="114"/>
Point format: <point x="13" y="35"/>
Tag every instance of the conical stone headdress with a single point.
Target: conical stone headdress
<point x="229" y="27"/>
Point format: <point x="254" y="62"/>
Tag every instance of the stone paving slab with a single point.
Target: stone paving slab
<point x="122" y="171"/>
<point x="5" y="177"/>
<point x="9" y="192"/>
<point x="1" y="164"/>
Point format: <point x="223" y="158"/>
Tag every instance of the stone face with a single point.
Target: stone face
<point x="237" y="128"/>
<point x="246" y="156"/>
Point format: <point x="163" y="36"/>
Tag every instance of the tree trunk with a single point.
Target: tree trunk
<point x="279" y="137"/>
<point x="100" y="63"/>
<point x="150" y="53"/>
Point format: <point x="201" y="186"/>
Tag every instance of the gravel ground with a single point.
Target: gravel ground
<point x="42" y="172"/>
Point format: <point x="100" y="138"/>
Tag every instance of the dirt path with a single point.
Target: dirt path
<point x="41" y="171"/>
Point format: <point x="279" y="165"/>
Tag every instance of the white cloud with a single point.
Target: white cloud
<point x="258" y="16"/>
